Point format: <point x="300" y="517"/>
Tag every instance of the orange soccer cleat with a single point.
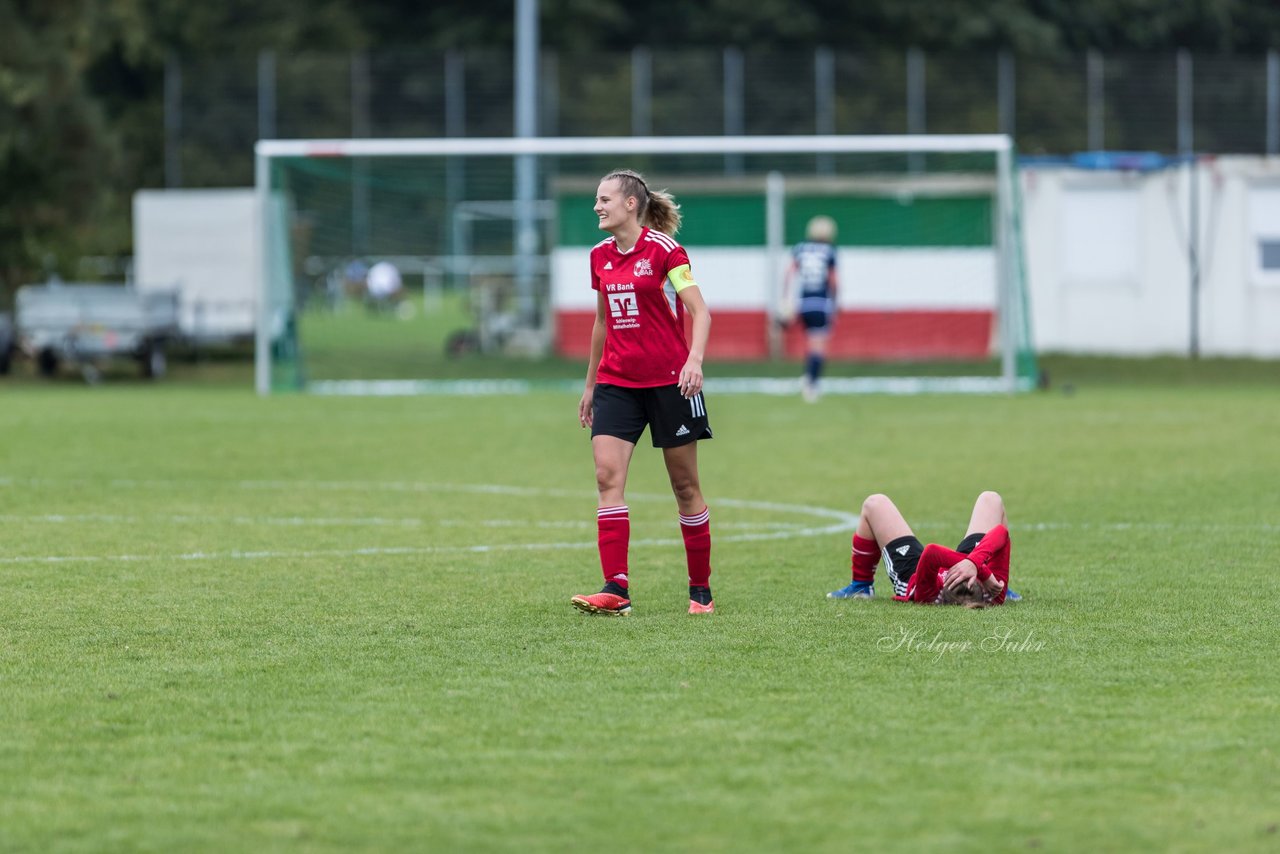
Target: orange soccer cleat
<point x="605" y="604"/>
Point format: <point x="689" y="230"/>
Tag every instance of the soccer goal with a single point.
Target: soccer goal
<point x="490" y="238"/>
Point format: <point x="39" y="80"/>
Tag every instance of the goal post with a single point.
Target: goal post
<point x="933" y="291"/>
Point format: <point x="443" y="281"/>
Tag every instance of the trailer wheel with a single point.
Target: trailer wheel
<point x="154" y="363"/>
<point x="47" y="362"/>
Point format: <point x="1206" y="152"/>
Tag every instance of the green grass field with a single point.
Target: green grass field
<point x="323" y="624"/>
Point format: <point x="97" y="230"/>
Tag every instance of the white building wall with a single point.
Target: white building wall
<point x="1109" y="266"/>
<point x="1240" y="313"/>
<point x="743" y="278"/>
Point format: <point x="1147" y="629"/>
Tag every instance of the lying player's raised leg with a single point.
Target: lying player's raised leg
<point x="988" y="511"/>
<point x="879" y="523"/>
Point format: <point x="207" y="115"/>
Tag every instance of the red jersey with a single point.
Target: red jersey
<point x="644" y="342"/>
<point x="991" y="556"/>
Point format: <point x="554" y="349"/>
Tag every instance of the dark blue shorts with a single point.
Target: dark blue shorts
<point x="816" y="321"/>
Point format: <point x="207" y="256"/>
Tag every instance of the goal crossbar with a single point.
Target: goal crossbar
<point x="514" y="146"/>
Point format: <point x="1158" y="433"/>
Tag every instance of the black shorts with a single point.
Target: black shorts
<point x="815" y="321"/>
<point x="903" y="554"/>
<point x="672" y="418"/>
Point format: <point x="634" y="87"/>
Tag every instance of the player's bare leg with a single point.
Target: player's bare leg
<point x="879" y="522"/>
<point x="612" y="458"/>
<point x="988" y="511"/>
<point x="682" y="470"/>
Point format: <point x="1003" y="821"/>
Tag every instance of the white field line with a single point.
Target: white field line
<point x="838" y="521"/>
<point x="274" y="521"/>
<point x="343" y="522"/>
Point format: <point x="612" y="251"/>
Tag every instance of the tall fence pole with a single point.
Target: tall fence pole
<point x="455" y="176"/>
<point x="361" y="128"/>
<point x="1095" y="102"/>
<point x="641" y="92"/>
<point x="734" y="124"/>
<point x="1186" y="120"/>
<point x="549" y="94"/>
<point x="824" y="98"/>
<point x="915" y="102"/>
<point x="1006" y="93"/>
<point x="266" y="94"/>
<point x="172" y="122"/>
<point x="1273" y="102"/>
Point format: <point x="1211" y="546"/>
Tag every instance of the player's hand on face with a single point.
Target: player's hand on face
<point x="961" y="575"/>
<point x="691" y="378"/>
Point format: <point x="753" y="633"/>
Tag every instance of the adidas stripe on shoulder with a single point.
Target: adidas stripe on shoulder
<point x="663" y="240"/>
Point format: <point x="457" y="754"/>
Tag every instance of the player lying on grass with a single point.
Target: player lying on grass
<point x="975" y="573"/>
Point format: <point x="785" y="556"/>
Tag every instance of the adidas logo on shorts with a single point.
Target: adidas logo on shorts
<point x="902" y="550"/>
<point x="683" y="431"/>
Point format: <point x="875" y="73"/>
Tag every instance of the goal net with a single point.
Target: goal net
<point x="394" y="266"/>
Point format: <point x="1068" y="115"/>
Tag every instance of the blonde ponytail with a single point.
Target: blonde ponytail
<point x="662" y="214"/>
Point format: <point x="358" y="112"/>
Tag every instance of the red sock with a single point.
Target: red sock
<point x="866" y="554"/>
<point x="613" y="534"/>
<point x="696" y="530"/>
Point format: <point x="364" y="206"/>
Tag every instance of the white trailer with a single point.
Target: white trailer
<point x="203" y="244"/>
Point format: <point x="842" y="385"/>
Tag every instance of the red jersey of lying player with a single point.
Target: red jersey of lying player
<point x="644" y="343"/>
<point x="990" y="556"/>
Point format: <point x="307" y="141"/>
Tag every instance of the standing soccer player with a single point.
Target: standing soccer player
<point x="642" y="373"/>
<point x="810" y="289"/>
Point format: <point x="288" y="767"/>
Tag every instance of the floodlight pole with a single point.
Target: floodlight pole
<point x="526" y="119"/>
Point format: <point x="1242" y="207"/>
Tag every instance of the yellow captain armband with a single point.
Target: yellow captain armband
<point x="681" y="277"/>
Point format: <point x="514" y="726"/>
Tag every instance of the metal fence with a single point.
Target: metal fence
<point x="1177" y="103"/>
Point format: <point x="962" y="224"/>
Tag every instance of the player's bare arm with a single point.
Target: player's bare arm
<point x="597" y="351"/>
<point x="690" y="380"/>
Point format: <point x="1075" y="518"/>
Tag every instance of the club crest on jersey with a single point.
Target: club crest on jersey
<point x="643" y="267"/>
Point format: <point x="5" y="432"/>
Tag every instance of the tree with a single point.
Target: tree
<point x="55" y="145"/>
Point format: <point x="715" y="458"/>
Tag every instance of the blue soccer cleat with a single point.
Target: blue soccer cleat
<point x="1010" y="596"/>
<point x="855" y="590"/>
